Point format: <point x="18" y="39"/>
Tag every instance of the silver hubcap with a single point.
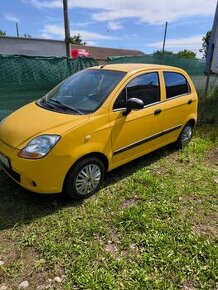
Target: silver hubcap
<point x="186" y="135"/>
<point x="88" y="179"/>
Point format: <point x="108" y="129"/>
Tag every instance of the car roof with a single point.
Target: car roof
<point x="129" y="67"/>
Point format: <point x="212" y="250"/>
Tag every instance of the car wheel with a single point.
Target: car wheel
<point x="185" y="136"/>
<point x="84" y="178"/>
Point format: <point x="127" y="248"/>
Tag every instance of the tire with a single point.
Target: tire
<point x="185" y="136"/>
<point x="84" y="178"/>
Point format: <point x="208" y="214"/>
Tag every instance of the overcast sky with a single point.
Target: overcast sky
<point x="133" y="24"/>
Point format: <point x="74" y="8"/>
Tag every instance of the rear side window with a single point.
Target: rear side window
<point x="176" y="84"/>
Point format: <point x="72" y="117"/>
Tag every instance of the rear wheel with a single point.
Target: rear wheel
<point x="185" y="136"/>
<point x="84" y="178"/>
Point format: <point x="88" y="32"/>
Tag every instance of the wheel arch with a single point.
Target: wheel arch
<point x="98" y="155"/>
<point x="178" y="142"/>
<point x="192" y="119"/>
<point x="192" y="122"/>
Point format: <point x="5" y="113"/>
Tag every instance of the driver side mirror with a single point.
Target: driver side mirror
<point x="133" y="104"/>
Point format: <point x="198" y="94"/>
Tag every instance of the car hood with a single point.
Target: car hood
<point x="31" y="120"/>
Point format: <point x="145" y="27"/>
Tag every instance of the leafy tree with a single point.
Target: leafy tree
<point x="205" y="44"/>
<point x="187" y="53"/>
<point x="159" y="52"/>
<point x="76" y="39"/>
<point x="183" y="53"/>
<point x="27" y="35"/>
<point x="2" y="33"/>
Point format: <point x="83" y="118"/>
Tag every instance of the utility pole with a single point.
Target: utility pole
<point x="66" y="28"/>
<point x="211" y="66"/>
<point x="164" y="42"/>
<point x="17" y="29"/>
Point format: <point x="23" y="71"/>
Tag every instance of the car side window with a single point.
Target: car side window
<point x="121" y="100"/>
<point x="145" y="87"/>
<point x="176" y="84"/>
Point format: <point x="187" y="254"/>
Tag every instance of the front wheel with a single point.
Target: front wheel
<point x="84" y="178"/>
<point x="185" y="136"/>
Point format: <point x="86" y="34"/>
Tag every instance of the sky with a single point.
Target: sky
<point x="130" y="24"/>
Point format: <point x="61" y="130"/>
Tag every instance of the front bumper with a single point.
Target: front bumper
<point x="44" y="175"/>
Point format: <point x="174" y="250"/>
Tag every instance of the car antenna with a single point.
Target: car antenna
<point x="102" y="66"/>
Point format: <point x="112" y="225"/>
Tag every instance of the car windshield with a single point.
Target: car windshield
<point x="84" y="91"/>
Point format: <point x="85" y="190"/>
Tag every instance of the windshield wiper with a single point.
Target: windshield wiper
<point x="65" y="106"/>
<point x="46" y="103"/>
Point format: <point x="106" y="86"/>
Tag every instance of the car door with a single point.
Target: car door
<point x="139" y="131"/>
<point x="179" y="101"/>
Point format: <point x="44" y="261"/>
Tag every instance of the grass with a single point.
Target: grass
<point x="151" y="226"/>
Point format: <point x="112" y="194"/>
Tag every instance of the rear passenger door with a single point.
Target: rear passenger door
<point x="178" y="103"/>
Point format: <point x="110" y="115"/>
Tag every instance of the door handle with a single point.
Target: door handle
<point x="157" y="112"/>
<point x="190" y="101"/>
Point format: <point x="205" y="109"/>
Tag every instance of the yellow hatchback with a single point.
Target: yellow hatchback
<point x="94" y="121"/>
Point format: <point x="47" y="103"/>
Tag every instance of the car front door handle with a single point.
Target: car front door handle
<point x="190" y="101"/>
<point x="157" y="112"/>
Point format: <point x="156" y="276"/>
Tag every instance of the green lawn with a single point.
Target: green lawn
<point x="153" y="225"/>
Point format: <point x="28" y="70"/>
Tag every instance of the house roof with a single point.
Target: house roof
<point x="102" y="53"/>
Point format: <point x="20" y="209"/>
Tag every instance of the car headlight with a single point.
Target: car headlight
<point x="39" y="146"/>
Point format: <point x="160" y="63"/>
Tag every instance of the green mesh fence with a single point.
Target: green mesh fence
<point x="192" y="66"/>
<point x="25" y="78"/>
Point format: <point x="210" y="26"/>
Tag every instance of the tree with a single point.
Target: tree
<point x="182" y="53"/>
<point x="187" y="53"/>
<point x="27" y="35"/>
<point x="76" y="39"/>
<point x="205" y="43"/>
<point x="2" y="33"/>
<point x="159" y="52"/>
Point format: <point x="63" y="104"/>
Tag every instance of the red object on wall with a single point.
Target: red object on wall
<point x="79" y="53"/>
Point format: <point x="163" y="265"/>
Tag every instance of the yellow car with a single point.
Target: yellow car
<point x="94" y="121"/>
